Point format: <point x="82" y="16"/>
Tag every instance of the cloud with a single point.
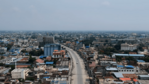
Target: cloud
<point x="15" y="9"/>
<point x="106" y="3"/>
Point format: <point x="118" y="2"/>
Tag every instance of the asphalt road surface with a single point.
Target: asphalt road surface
<point x="78" y="68"/>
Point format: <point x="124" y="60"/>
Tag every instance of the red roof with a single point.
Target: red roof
<point x="135" y="80"/>
<point x="22" y="66"/>
<point x="93" y="64"/>
<point x="125" y="79"/>
<point x="55" y="50"/>
<point x="39" y="61"/>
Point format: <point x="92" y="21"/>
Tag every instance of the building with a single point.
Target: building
<point x="19" y="73"/>
<point x="48" y="39"/>
<point x="144" y="77"/>
<point x="58" y="54"/>
<point x="128" y="69"/>
<point x="128" y="55"/>
<point x="23" y="65"/>
<point x="49" y="49"/>
<point x="40" y="38"/>
<point x="45" y="40"/>
<point x="39" y="61"/>
<point x="8" y="60"/>
<point x="40" y="67"/>
<point x="4" y="71"/>
<point x="128" y="47"/>
<point x="3" y="49"/>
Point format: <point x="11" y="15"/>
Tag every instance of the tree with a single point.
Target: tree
<point x="126" y="52"/>
<point x="31" y="60"/>
<point x="21" y="80"/>
<point x="9" y="46"/>
<point x="24" y="51"/>
<point x="118" y="58"/>
<point x="1" y="64"/>
<point x="36" y="52"/>
<point x="117" y="46"/>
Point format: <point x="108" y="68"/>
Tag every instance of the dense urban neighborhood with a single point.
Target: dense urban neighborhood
<point x="66" y="57"/>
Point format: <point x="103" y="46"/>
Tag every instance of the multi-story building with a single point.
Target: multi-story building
<point x="128" y="47"/>
<point x="48" y="39"/>
<point x="49" y="49"/>
<point x="58" y="54"/>
<point x="19" y="73"/>
<point x="45" y="40"/>
<point x="128" y="69"/>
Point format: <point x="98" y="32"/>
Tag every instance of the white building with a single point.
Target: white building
<point x="128" y="47"/>
<point x="40" y="67"/>
<point x="19" y="73"/>
<point x="8" y="60"/>
<point x="3" y="49"/>
<point x="128" y="69"/>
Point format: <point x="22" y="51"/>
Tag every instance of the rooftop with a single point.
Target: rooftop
<point x="140" y="61"/>
<point x="39" y="61"/>
<point x="18" y="70"/>
<point x="49" y="62"/>
<point x="118" y="75"/>
<point x="136" y="55"/>
<point x="129" y="66"/>
<point x="111" y="68"/>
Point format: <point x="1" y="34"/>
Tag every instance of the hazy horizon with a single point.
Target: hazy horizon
<point x="78" y="15"/>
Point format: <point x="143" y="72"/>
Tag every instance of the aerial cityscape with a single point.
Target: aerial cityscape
<point x="74" y="42"/>
<point x="50" y="57"/>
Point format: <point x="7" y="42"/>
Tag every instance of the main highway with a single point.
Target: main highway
<point x="78" y="73"/>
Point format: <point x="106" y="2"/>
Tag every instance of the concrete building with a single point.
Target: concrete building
<point x="49" y="49"/>
<point x="4" y="71"/>
<point x="45" y="40"/>
<point x="19" y="73"/>
<point x="128" y="47"/>
<point x="8" y="60"/>
<point x="58" y="54"/>
<point x="128" y="55"/>
<point x="128" y="69"/>
<point x="3" y="49"/>
<point x="144" y="77"/>
<point x="48" y="39"/>
<point x="40" y="38"/>
<point x="40" y="67"/>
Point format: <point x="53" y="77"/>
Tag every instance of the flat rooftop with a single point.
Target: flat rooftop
<point x="135" y="55"/>
<point x="18" y="70"/>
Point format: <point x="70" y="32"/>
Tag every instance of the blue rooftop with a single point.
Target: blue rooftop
<point x="120" y="66"/>
<point x="129" y="66"/>
<point x="87" y="46"/>
<point x="140" y="60"/>
<point x="42" y="56"/>
<point x="14" y="54"/>
<point x="49" y="62"/>
<point x="46" y="77"/>
<point x="77" y="42"/>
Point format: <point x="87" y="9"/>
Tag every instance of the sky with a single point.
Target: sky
<point x="80" y="15"/>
